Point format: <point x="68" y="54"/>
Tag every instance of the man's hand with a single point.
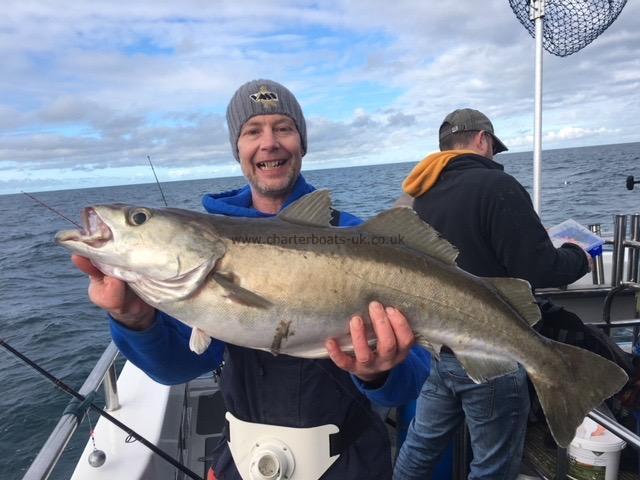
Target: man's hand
<point x="589" y="261"/>
<point x="115" y="297"/>
<point x="394" y="341"/>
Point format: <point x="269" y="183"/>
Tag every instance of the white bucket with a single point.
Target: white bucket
<point x="594" y="457"/>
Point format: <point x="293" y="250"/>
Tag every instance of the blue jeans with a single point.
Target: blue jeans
<point x="496" y="415"/>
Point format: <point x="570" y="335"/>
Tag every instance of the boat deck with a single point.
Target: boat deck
<point x="204" y="423"/>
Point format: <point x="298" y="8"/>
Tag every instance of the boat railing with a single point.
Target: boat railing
<point x="623" y="249"/>
<point x="622" y="246"/>
<point x="104" y="372"/>
<point x="628" y="249"/>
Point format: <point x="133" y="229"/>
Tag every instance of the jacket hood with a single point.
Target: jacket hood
<point x="426" y="173"/>
<point x="238" y="203"/>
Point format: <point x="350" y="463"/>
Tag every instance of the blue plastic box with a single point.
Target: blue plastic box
<point x="571" y="231"/>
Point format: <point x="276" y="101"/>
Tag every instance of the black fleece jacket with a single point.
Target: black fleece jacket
<point x="489" y="217"/>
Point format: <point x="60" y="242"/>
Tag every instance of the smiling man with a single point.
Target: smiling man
<point x="270" y="154"/>
<point x="268" y="136"/>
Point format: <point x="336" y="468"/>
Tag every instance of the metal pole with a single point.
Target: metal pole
<point x="619" y="235"/>
<point x="43" y="464"/>
<point x="110" y="386"/>
<point x="537" y="13"/>
<point x="562" y="464"/>
<point x="598" y="265"/>
<point x="634" y="253"/>
<point x="33" y="473"/>
<point x="614" y="427"/>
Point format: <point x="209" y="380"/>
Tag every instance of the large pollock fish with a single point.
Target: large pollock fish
<point x="285" y="284"/>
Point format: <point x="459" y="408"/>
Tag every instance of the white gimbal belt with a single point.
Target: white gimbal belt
<point x="271" y="452"/>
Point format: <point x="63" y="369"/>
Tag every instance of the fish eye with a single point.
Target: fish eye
<point x="138" y="216"/>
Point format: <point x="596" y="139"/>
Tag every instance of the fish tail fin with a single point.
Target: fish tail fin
<point x="581" y="381"/>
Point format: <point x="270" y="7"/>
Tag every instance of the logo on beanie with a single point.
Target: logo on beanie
<point x="265" y="97"/>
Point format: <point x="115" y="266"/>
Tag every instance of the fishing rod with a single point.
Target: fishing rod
<point x="52" y="209"/>
<point x="157" y="182"/>
<point x="67" y="389"/>
<point x="77" y="224"/>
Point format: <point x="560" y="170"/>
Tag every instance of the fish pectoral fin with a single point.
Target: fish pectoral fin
<point x="174" y="289"/>
<point x="313" y="209"/>
<point x="240" y="295"/>
<point x="517" y="293"/>
<point x="199" y="341"/>
<point x="403" y="223"/>
<point x="482" y="368"/>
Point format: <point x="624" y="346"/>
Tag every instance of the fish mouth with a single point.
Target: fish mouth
<point x="96" y="232"/>
<point x="271" y="164"/>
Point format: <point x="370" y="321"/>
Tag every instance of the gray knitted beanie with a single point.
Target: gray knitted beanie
<point x="262" y="97"/>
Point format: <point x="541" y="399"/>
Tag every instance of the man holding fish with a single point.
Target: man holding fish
<point x="225" y="276"/>
<point x="267" y="132"/>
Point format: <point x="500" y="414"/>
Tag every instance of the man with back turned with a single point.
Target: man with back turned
<point x="484" y="212"/>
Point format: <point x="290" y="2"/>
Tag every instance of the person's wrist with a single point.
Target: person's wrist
<point x="140" y="320"/>
<point x="589" y="261"/>
<point x="374" y="380"/>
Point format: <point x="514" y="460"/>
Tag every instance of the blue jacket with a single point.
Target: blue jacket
<point x="280" y="390"/>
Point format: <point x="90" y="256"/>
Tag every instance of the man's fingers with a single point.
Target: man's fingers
<point x="338" y="357"/>
<point x="85" y="265"/>
<point x="394" y="340"/>
<point x="386" y="339"/>
<point x="402" y="329"/>
<point x="363" y="353"/>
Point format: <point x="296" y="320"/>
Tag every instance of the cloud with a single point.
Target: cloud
<point x="566" y="135"/>
<point x="399" y="119"/>
<point x="96" y="87"/>
<point x="574" y="132"/>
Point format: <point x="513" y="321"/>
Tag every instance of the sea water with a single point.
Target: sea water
<point x="45" y="313"/>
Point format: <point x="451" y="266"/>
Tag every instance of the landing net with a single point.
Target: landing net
<point x="569" y="25"/>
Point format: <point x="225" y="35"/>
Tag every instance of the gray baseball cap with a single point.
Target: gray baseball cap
<point x="468" y="120"/>
<point x="262" y="97"/>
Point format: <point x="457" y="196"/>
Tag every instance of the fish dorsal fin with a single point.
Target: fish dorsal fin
<point x="313" y="209"/>
<point x="405" y="227"/>
<point x="518" y="293"/>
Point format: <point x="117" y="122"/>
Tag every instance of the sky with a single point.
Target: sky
<point x="88" y="90"/>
